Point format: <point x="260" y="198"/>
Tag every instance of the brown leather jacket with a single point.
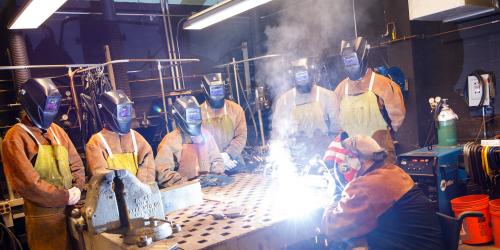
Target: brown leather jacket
<point x="18" y="152"/>
<point x="147" y="171"/>
<point x="364" y="199"/>
<point x="170" y="153"/>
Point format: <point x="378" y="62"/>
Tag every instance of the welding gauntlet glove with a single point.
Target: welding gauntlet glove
<point x="228" y="162"/>
<point x="74" y="195"/>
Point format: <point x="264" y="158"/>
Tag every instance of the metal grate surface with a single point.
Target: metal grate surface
<point x="252" y="195"/>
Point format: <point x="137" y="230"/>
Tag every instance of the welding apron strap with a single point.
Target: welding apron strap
<point x="295" y="95"/>
<point x="208" y="114"/>
<point x="370" y="87"/>
<point x="108" y="149"/>
<point x="33" y="136"/>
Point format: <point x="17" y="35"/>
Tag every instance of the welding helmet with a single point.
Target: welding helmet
<point x="187" y="115"/>
<point x="303" y="73"/>
<point x="355" y="57"/>
<point x="364" y="147"/>
<point x="215" y="91"/>
<point x="40" y="99"/>
<point x="116" y="111"/>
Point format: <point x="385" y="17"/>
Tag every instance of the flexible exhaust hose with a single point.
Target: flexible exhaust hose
<point x="18" y="57"/>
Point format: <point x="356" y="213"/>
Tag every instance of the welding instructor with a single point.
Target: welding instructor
<point x="117" y="146"/>
<point x="364" y="95"/>
<point x="189" y="149"/>
<point x="381" y="207"/>
<point x="225" y="120"/>
<point x="42" y="165"/>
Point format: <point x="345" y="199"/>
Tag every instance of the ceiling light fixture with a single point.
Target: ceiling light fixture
<point x="34" y="13"/>
<point x="220" y="12"/>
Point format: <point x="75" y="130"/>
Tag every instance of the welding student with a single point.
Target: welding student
<point x="117" y="146"/>
<point x="305" y="110"/>
<point x="190" y="149"/>
<point x="364" y="95"/>
<point x="381" y="207"/>
<point x="225" y="120"/>
<point x="43" y="166"/>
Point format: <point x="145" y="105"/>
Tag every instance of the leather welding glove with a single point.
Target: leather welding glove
<point x="74" y="195"/>
<point x="228" y="162"/>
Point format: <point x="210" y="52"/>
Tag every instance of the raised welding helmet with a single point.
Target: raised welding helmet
<point x="41" y="100"/>
<point x="355" y="57"/>
<point x="116" y="110"/>
<point x="187" y="115"/>
<point x="365" y="148"/>
<point x="304" y="74"/>
<point x="214" y="89"/>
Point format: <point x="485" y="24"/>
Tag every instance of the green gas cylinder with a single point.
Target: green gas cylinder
<point x="447" y="130"/>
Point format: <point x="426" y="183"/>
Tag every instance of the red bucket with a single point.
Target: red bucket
<point x="477" y="230"/>
<point x="495" y="205"/>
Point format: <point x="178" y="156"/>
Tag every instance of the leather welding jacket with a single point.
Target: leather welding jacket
<point x="171" y="147"/>
<point x="388" y="94"/>
<point x="147" y="171"/>
<point x="237" y="117"/>
<point x="19" y="151"/>
<point x="384" y="207"/>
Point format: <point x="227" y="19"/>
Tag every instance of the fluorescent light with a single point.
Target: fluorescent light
<point x="220" y="12"/>
<point x="34" y="13"/>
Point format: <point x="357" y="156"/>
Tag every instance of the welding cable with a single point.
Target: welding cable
<point x="467" y="162"/>
<point x="484" y="158"/>
<point x="12" y="238"/>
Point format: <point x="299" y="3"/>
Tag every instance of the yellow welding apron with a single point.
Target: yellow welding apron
<point x="126" y="161"/>
<point x="46" y="227"/>
<point x="220" y="127"/>
<point x="360" y="115"/>
<point x="309" y="119"/>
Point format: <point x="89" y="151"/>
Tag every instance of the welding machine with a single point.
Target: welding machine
<point x="436" y="172"/>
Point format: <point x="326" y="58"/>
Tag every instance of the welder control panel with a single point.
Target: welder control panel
<point x="418" y="165"/>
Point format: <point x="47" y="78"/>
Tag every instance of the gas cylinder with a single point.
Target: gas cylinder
<point x="446" y="130"/>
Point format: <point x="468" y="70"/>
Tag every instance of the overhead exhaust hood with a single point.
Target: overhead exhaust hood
<point x="449" y="10"/>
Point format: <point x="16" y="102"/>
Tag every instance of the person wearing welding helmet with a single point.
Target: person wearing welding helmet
<point x="189" y="149"/>
<point x="43" y="166"/>
<point x="305" y="110"/>
<point x="381" y="207"/>
<point x="117" y="146"/>
<point x="225" y="120"/>
<point x="364" y="96"/>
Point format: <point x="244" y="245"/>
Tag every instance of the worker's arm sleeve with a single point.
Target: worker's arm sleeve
<point x="26" y="181"/>
<point x="164" y="167"/>
<point x="394" y="103"/>
<point x="216" y="161"/>
<point x="352" y="217"/>
<point x="75" y="164"/>
<point x="332" y="110"/>
<point x="96" y="160"/>
<point x="145" y="161"/>
<point x="240" y="134"/>
<point x="165" y="158"/>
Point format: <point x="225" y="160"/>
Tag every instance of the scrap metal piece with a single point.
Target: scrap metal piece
<point x="101" y="206"/>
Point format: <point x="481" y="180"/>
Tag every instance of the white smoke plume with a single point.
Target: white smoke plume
<point x="311" y="28"/>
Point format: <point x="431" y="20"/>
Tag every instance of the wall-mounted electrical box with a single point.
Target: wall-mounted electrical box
<point x="480" y="93"/>
<point x="449" y="10"/>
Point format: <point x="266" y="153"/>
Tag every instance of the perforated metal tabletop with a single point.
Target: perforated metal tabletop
<point x="266" y="221"/>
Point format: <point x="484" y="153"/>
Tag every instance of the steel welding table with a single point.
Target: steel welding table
<point x="265" y="223"/>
